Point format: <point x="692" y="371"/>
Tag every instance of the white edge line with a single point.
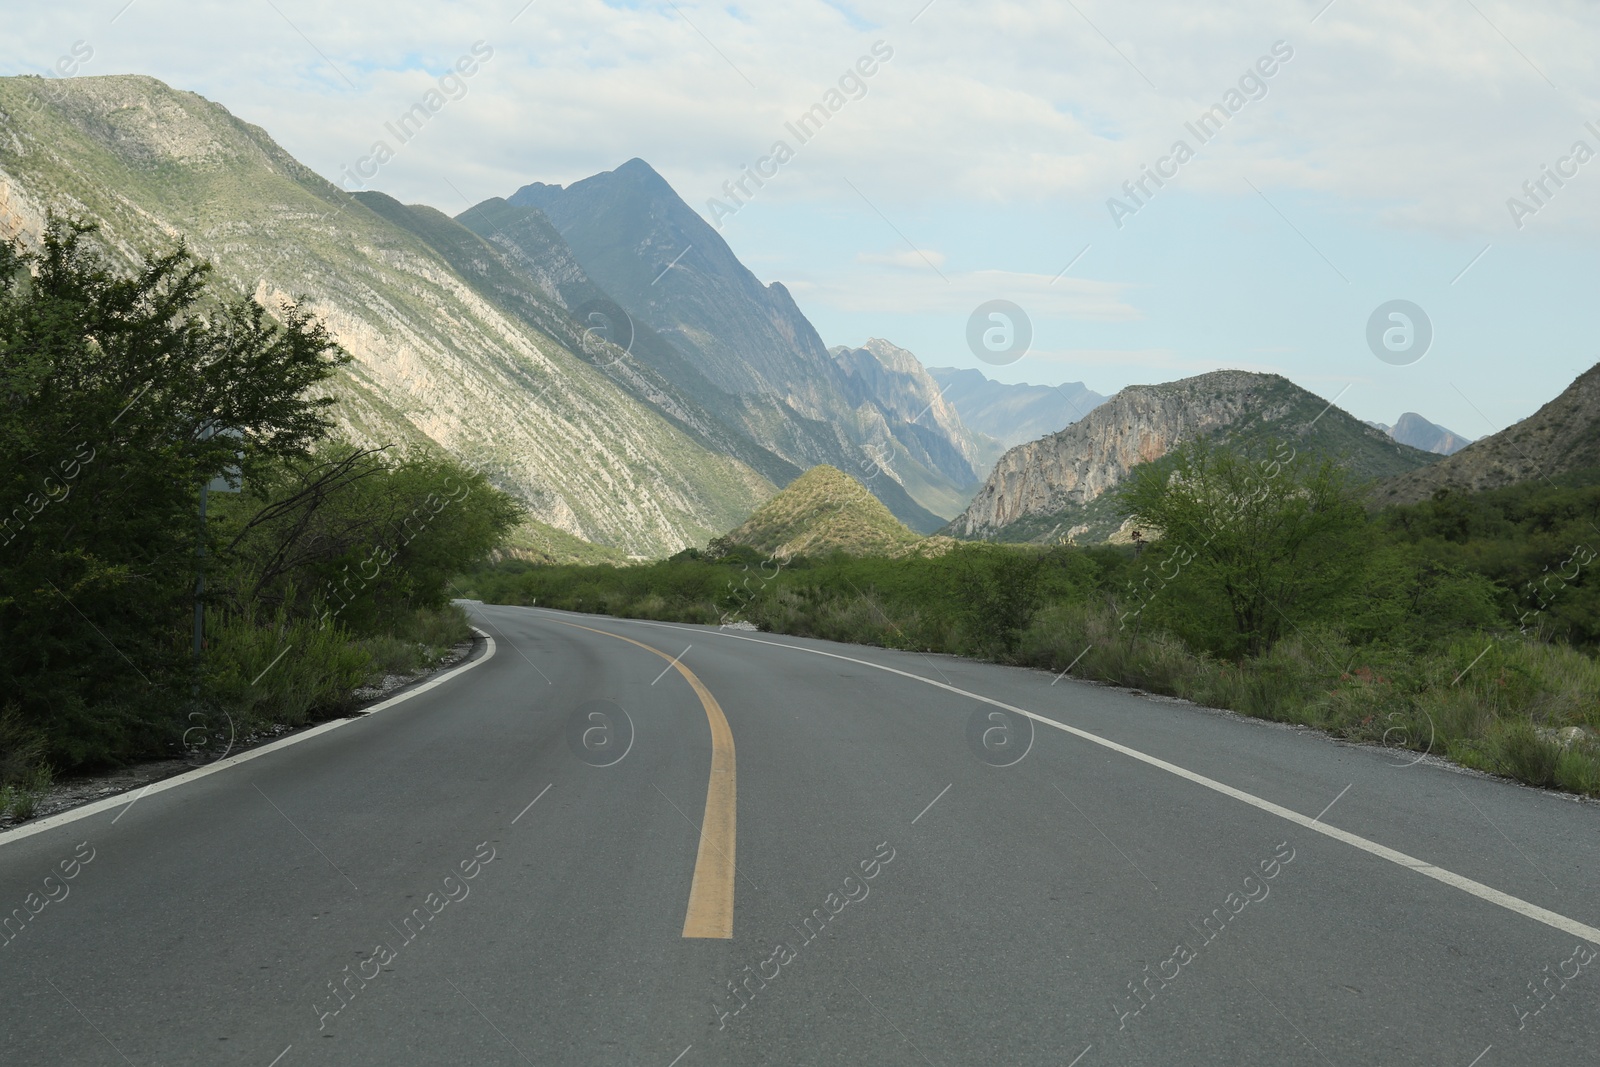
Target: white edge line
<point x="121" y="799"/>
<point x="1439" y="874"/>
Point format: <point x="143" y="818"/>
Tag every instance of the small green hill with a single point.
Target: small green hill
<point x="822" y="511"/>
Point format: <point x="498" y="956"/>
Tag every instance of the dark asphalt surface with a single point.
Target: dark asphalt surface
<point x="1011" y="925"/>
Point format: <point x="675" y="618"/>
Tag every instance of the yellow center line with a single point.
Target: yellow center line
<point x="710" y="911"/>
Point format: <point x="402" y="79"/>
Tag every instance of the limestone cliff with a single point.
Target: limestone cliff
<point x="1053" y="484"/>
<point x="914" y="433"/>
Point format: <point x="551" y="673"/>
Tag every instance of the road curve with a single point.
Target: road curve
<point x="502" y="869"/>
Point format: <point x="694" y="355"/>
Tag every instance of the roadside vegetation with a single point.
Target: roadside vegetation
<point x="332" y="566"/>
<point x="1466" y="626"/>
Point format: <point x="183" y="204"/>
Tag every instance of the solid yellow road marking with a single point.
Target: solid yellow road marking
<point x="710" y="911"/>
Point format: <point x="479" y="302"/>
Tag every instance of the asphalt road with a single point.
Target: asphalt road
<point x="509" y="868"/>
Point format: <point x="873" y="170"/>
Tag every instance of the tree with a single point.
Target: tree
<point x="995" y="591"/>
<point x="349" y="537"/>
<point x="109" y="384"/>
<point x="1248" y="549"/>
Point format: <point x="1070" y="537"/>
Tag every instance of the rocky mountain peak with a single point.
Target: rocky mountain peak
<point x="1064" y="475"/>
<point x="1562" y="436"/>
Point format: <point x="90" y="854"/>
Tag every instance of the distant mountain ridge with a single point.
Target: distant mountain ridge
<point x="755" y="362"/>
<point x="1561" y="437"/>
<point x="924" y="443"/>
<point x="1013" y="414"/>
<point x="1418" y="432"/>
<point x="1060" y="485"/>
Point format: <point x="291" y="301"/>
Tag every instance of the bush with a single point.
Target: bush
<point x="280" y="670"/>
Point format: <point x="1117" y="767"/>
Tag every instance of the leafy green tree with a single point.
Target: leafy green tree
<point x="996" y="590"/>
<point x="351" y="536"/>
<point x="1410" y="601"/>
<point x="1537" y="541"/>
<point x="111" y="385"/>
<point x="1248" y="548"/>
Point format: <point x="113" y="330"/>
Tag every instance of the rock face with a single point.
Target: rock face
<point x="917" y="433"/>
<point x="1078" y="464"/>
<point x="1418" y="432"/>
<point x="454" y="349"/>
<point x="1061" y="477"/>
<point x="1561" y="437"/>
<point x="742" y="350"/>
<point x="1013" y="414"/>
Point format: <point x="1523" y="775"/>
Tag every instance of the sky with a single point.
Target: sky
<point x="1356" y="154"/>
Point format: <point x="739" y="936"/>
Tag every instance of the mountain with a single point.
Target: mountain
<point x="548" y="292"/>
<point x="1559" y="438"/>
<point x="1061" y="483"/>
<point x="740" y="350"/>
<point x="439" y="358"/>
<point x="1418" y="432"/>
<point x="924" y="441"/>
<point x="1013" y="414"/>
<point x="824" y="510"/>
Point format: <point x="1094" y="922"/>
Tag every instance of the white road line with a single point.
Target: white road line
<point x="29" y="829"/>
<point x="1483" y="892"/>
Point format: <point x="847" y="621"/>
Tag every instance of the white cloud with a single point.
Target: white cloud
<point x="914" y="260"/>
<point x="1428" y="112"/>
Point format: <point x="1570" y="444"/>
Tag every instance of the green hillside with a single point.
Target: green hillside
<point x="824" y="511"/>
